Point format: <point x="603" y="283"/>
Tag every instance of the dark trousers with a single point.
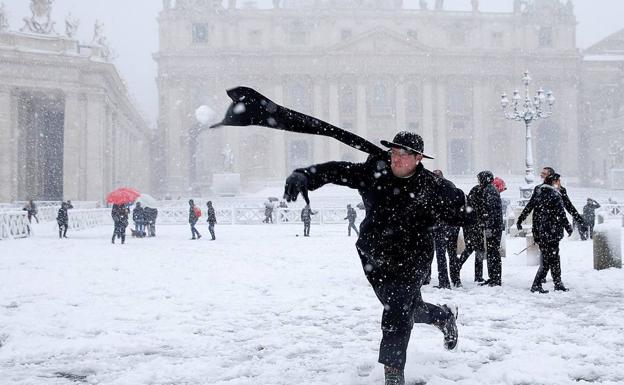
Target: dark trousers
<point x="494" y="264"/>
<point x="211" y="229"/>
<point x="63" y="229"/>
<point x="445" y="242"/>
<point x="119" y="232"/>
<point x="306" y="228"/>
<point x="458" y="263"/>
<point x="550" y="261"/>
<point x="403" y="306"/>
<point x="352" y="226"/>
<point x="194" y="231"/>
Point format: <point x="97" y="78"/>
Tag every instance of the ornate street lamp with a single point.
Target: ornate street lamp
<point x="538" y="107"/>
<point x="204" y="116"/>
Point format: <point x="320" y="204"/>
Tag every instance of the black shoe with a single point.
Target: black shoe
<point x="457" y="284"/>
<point x="447" y="286"/>
<point x="449" y="326"/>
<point x="484" y="283"/>
<point x="494" y="283"/>
<point x="560" y="287"/>
<point x="480" y="280"/>
<point x="192" y="239"/>
<point x="394" y="376"/>
<point x="538" y="289"/>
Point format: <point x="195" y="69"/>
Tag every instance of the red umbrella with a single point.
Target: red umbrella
<point x="122" y="195"/>
<point x="500" y="185"/>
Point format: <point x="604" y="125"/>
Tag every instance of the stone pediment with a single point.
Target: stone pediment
<point x="379" y="40"/>
<point x="613" y="43"/>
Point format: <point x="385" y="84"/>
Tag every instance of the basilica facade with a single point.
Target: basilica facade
<point x="372" y="67"/>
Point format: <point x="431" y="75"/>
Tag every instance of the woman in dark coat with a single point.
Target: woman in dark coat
<point x="549" y="222"/>
<point x="120" y="218"/>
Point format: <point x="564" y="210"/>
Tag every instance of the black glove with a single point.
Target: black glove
<point x="519" y="226"/>
<point x="296" y="183"/>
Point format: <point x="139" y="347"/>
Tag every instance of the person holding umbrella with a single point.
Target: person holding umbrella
<point x="120" y="218"/>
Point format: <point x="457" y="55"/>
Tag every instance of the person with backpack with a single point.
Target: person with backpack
<point x="212" y="219"/>
<point x="194" y="214"/>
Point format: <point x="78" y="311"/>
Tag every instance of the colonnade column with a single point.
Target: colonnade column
<point x="73" y="149"/>
<point x="8" y="147"/>
<point x="427" y="123"/>
<point x="401" y="120"/>
<point x="95" y="130"/>
<point x="479" y="131"/>
<point x="334" y="118"/>
<point x="441" y="137"/>
<point x="361" y="113"/>
<point x="279" y="146"/>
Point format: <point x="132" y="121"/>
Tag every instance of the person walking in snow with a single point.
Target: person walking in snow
<point x="120" y="212"/>
<point x="483" y="237"/>
<point x="549" y="222"/>
<point x="589" y="217"/>
<point x="306" y="218"/>
<point x="31" y="211"/>
<point x="62" y="219"/>
<point x="268" y="212"/>
<point x="351" y="217"/>
<point x="194" y="214"/>
<point x="445" y="241"/>
<point x="212" y="219"/>
<point x="403" y="201"/>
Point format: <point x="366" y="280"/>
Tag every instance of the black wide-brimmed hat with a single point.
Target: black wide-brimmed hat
<point x="408" y="141"/>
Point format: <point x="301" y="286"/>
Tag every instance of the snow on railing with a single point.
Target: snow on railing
<point x="81" y="219"/>
<point x="14" y="224"/>
<point x="255" y="215"/>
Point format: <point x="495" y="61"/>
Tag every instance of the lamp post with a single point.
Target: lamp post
<point x="538" y="107"/>
<point x="204" y="115"/>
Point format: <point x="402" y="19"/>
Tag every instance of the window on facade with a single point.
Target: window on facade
<point x="346" y="100"/>
<point x="412" y="35"/>
<point x="412" y="102"/>
<point x="346" y="34"/>
<point x="255" y="37"/>
<point x="497" y="39"/>
<point x="545" y="37"/>
<point x="300" y="98"/>
<point x="459" y="99"/>
<point x="200" y="33"/>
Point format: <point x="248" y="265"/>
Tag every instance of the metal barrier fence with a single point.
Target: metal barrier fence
<point x="255" y="215"/>
<point x="14" y="224"/>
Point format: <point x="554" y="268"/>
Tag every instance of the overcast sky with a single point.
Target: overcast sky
<point x="131" y="28"/>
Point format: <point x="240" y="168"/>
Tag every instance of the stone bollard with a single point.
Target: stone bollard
<point x="607" y="246"/>
<point x="534" y="256"/>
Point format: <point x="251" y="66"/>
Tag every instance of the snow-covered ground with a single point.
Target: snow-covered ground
<point x="264" y="306"/>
